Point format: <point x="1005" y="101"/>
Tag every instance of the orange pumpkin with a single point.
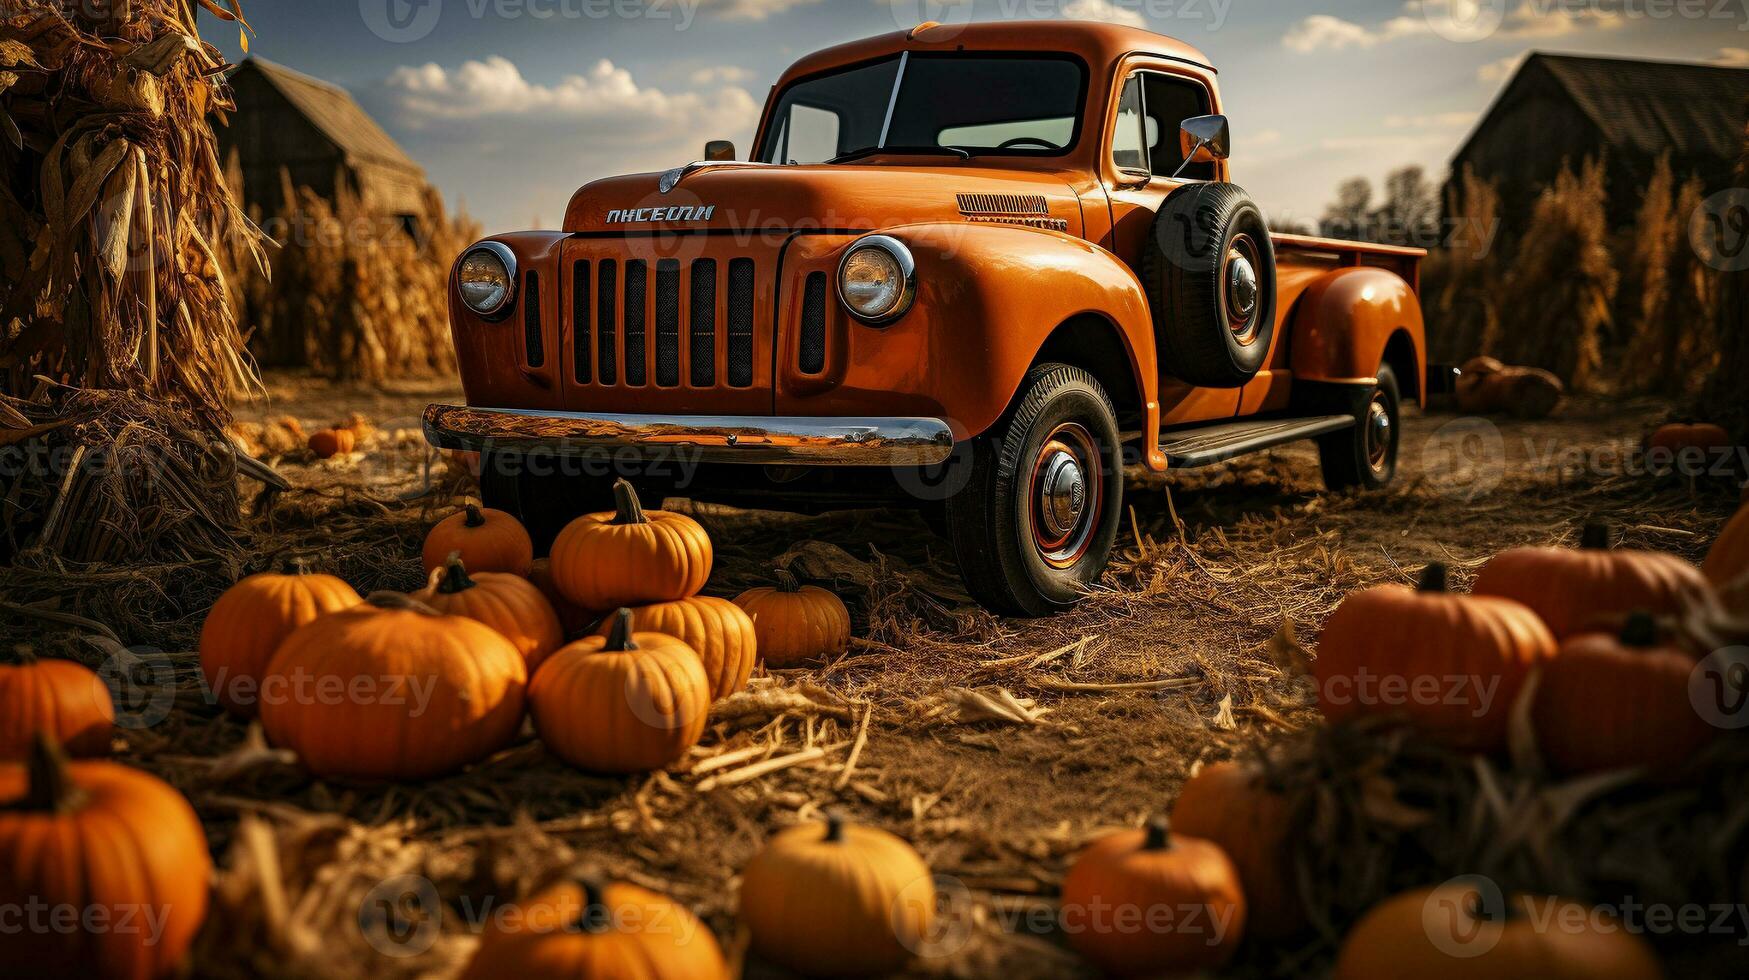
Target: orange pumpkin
<point x="1690" y="448"/>
<point x="248" y="623"/>
<point x="392" y="689"/>
<point x="489" y="540"/>
<point x="630" y="556"/>
<point x="626" y="702"/>
<point x="573" y="618"/>
<point x="1234" y="807"/>
<point x="328" y="443"/>
<point x="582" y="927"/>
<point x="60" y="697"/>
<point x="1148" y="901"/>
<point x="837" y="900"/>
<point x="1451" y="664"/>
<point x="1728" y="559"/>
<point x="113" y="843"/>
<point x="716" y="629"/>
<point x="508" y="603"/>
<point x="1592" y="587"/>
<point x="1613" y="702"/>
<point x="1450" y="932"/>
<point x="795" y="623"/>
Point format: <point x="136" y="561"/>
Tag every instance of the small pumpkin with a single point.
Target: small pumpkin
<point x="489" y="540"/>
<point x="630" y="556"/>
<point x="1451" y="932"/>
<point x="580" y="926"/>
<point x="1522" y="392"/>
<point x="508" y="603"/>
<point x="328" y="443"/>
<point x="115" y="843"/>
<point x="626" y="702"/>
<point x="1687" y="447"/>
<point x="573" y="618"/>
<point x="1235" y="807"/>
<point x="1451" y="664"/>
<point x="250" y="620"/>
<point x="837" y="899"/>
<point x="1594" y="586"/>
<point x="1610" y="702"/>
<point x="1149" y="901"/>
<point x="1728" y="559"/>
<point x="716" y="629"/>
<point x="795" y="623"/>
<point x="392" y="689"/>
<point x="60" y="697"/>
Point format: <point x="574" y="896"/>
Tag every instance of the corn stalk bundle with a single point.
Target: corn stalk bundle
<point x="353" y="293"/>
<point x="1462" y="278"/>
<point x="1669" y="291"/>
<point x="1557" y="304"/>
<point x="118" y="345"/>
<point x="1725" y="396"/>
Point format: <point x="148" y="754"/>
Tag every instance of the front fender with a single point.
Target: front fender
<point x="988" y="296"/>
<point x="1344" y="321"/>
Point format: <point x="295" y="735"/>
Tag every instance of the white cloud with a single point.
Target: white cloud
<point x="753" y="9"/>
<point x="1454" y="19"/>
<point x="1322" y="31"/>
<point x="1103" y="10"/>
<point x="1733" y="57"/>
<point x="1437" y="120"/>
<point x="1542" y="21"/>
<point x="1501" y="70"/>
<point x="721" y="75"/>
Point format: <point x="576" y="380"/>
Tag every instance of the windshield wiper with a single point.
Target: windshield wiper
<point x="868" y="151"/>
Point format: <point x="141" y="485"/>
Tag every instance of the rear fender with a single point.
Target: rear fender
<point x="988" y="297"/>
<point x="1345" y="320"/>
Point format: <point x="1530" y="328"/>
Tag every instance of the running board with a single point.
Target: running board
<point x="1218" y="443"/>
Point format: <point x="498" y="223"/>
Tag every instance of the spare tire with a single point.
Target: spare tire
<point x="1209" y="269"/>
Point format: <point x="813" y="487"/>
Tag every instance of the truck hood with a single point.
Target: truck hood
<point x="751" y="198"/>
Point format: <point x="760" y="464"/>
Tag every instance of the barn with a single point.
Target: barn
<point x="316" y="133"/>
<point x="1566" y="108"/>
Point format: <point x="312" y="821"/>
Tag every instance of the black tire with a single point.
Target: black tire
<point x="1211" y="331"/>
<point x="1365" y="455"/>
<point x="531" y="489"/>
<point x="1062" y="431"/>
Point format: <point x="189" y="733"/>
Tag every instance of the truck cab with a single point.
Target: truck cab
<point x="977" y="269"/>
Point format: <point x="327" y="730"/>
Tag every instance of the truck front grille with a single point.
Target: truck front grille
<point x="612" y="304"/>
<point x="531" y="329"/>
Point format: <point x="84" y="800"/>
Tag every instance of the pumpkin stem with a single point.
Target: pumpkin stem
<point x="1640" y="630"/>
<point x="455" y="575"/>
<point x="1595" y="536"/>
<point x="474" y="518"/>
<point x="627" y="508"/>
<point x="786" y="581"/>
<point x="594" y="916"/>
<point x="834" y="827"/>
<point x="619" y="635"/>
<point x="1434" y="578"/>
<point x="1159" y="834"/>
<point x="24" y="654"/>
<point x="50" y="788"/>
<point x="385" y="599"/>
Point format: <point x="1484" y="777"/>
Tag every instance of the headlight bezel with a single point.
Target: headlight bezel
<point x="907" y="266"/>
<point x="505" y="257"/>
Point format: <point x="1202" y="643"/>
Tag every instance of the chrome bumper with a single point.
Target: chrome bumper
<point x="700" y="438"/>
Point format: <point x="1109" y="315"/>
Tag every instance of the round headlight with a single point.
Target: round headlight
<point x="877" y="279"/>
<point x="486" y="278"/>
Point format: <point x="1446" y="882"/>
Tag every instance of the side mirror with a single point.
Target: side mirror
<point x="719" y="150"/>
<point x="1204" y="139"/>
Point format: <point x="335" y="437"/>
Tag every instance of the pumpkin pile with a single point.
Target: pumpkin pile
<point x="1486" y="386"/>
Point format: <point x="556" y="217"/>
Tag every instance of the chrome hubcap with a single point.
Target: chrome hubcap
<point x="1241" y="285"/>
<point x="1066" y="491"/>
<point x="1062" y="493"/>
<point x="1378" y="432"/>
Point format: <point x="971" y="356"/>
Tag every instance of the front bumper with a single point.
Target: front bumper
<point x="701" y="438"/>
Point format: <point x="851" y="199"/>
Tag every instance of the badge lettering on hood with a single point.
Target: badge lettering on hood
<point x="677" y="213"/>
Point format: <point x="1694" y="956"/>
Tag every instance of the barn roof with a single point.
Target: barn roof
<point x="330" y="109"/>
<point x="1647" y="107"/>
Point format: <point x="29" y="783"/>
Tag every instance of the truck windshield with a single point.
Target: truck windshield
<point x="1024" y="105"/>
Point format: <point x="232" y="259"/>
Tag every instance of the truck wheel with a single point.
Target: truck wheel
<point x="1036" y="521"/>
<point x="528" y="488"/>
<point x="1365" y="455"/>
<point x="1209" y="269"/>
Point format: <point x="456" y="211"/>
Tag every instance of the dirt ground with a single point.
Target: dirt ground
<point x="1082" y="722"/>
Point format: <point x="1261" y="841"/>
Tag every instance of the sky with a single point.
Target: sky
<point x="510" y="105"/>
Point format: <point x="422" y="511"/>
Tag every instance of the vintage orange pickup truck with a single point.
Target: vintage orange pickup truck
<point x="979" y="269"/>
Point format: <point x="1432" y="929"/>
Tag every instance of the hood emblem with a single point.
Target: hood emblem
<point x="679" y="212"/>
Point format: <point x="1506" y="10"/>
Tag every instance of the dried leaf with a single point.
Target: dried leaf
<point x="1223" y="719"/>
<point x="1286" y="652"/>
